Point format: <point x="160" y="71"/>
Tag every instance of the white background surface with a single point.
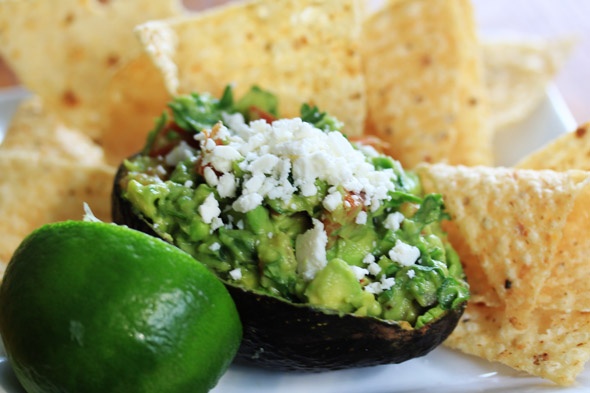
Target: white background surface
<point x="441" y="371"/>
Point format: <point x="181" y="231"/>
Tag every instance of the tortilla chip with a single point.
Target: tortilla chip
<point x="136" y="96"/>
<point x="517" y="72"/>
<point x="568" y="288"/>
<point x="424" y="82"/>
<point x="66" y="51"/>
<point x="33" y="129"/>
<point x="555" y="344"/>
<point x="512" y="222"/>
<point x="569" y="151"/>
<point x="37" y="189"/>
<point x="569" y="283"/>
<point x="301" y="50"/>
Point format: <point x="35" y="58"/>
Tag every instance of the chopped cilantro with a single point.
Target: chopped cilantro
<point x="321" y="120"/>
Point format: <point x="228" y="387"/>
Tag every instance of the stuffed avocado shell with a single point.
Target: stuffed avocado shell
<point x="291" y="209"/>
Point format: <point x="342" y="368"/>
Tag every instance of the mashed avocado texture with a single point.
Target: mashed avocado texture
<point x="292" y="208"/>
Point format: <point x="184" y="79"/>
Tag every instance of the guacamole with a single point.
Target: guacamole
<point x="291" y="208"/>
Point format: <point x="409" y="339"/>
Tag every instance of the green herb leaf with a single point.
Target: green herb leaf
<point x="256" y="103"/>
<point x="431" y="210"/>
<point x="321" y="120"/>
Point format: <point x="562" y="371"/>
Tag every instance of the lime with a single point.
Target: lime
<point x="96" y="307"/>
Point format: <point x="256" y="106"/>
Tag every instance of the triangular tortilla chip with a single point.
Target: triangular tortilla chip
<point x="569" y="283"/>
<point x="67" y="50"/>
<point x="555" y="344"/>
<point x="424" y="81"/>
<point x="569" y="151"/>
<point x="37" y="189"/>
<point x="301" y="50"/>
<point x="512" y="221"/>
<point x="517" y="72"/>
<point x="568" y="288"/>
<point x="33" y="129"/>
<point x="136" y="96"/>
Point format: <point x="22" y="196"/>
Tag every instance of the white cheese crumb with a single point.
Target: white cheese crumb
<point x="393" y="221"/>
<point x="369" y="258"/>
<point x="180" y="153"/>
<point x="247" y="202"/>
<point x="310" y="250"/>
<point x="404" y="254"/>
<point x="240" y="224"/>
<point x="379" y="286"/>
<point x="374" y="268"/>
<point x="332" y="201"/>
<point x="236" y="274"/>
<point x="215" y="247"/>
<point x="361" y="218"/>
<point x="209" y="144"/>
<point x="374" y="287"/>
<point x="161" y="170"/>
<point x="216" y="223"/>
<point x="210" y="176"/>
<point x="227" y="185"/>
<point x="411" y="273"/>
<point x="387" y="283"/>
<point x="359" y="272"/>
<point x="222" y="157"/>
<point x="209" y="209"/>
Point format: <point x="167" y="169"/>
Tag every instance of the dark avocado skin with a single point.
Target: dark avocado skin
<point x="284" y="336"/>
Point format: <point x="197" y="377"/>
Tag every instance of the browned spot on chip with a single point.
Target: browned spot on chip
<point x="112" y="60"/>
<point x="69" y="19"/>
<point x="569" y="151"/>
<point x="300" y="42"/>
<point x="69" y="98"/>
<point x="426" y="60"/>
<point x="543" y="357"/>
<point x="521" y="229"/>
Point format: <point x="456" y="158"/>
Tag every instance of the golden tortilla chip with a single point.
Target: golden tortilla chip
<point x="36" y="189"/>
<point x="67" y="50"/>
<point x="568" y="287"/>
<point x="512" y="222"/>
<point x="301" y="50"/>
<point x="569" y="283"/>
<point x="517" y="72"/>
<point x="136" y="96"/>
<point x="569" y="151"/>
<point x="424" y="82"/>
<point x="555" y="344"/>
<point x="33" y="129"/>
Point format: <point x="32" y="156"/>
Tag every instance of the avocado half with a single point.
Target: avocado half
<point x="286" y="336"/>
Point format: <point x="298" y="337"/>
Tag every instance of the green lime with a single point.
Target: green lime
<point x="95" y="307"/>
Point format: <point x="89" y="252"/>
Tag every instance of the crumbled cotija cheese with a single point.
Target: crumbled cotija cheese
<point x="288" y="156"/>
<point x="310" y="250"/>
<point x="404" y="254"/>
<point x="209" y="209"/>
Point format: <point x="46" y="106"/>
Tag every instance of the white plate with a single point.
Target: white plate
<point x="442" y="370"/>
